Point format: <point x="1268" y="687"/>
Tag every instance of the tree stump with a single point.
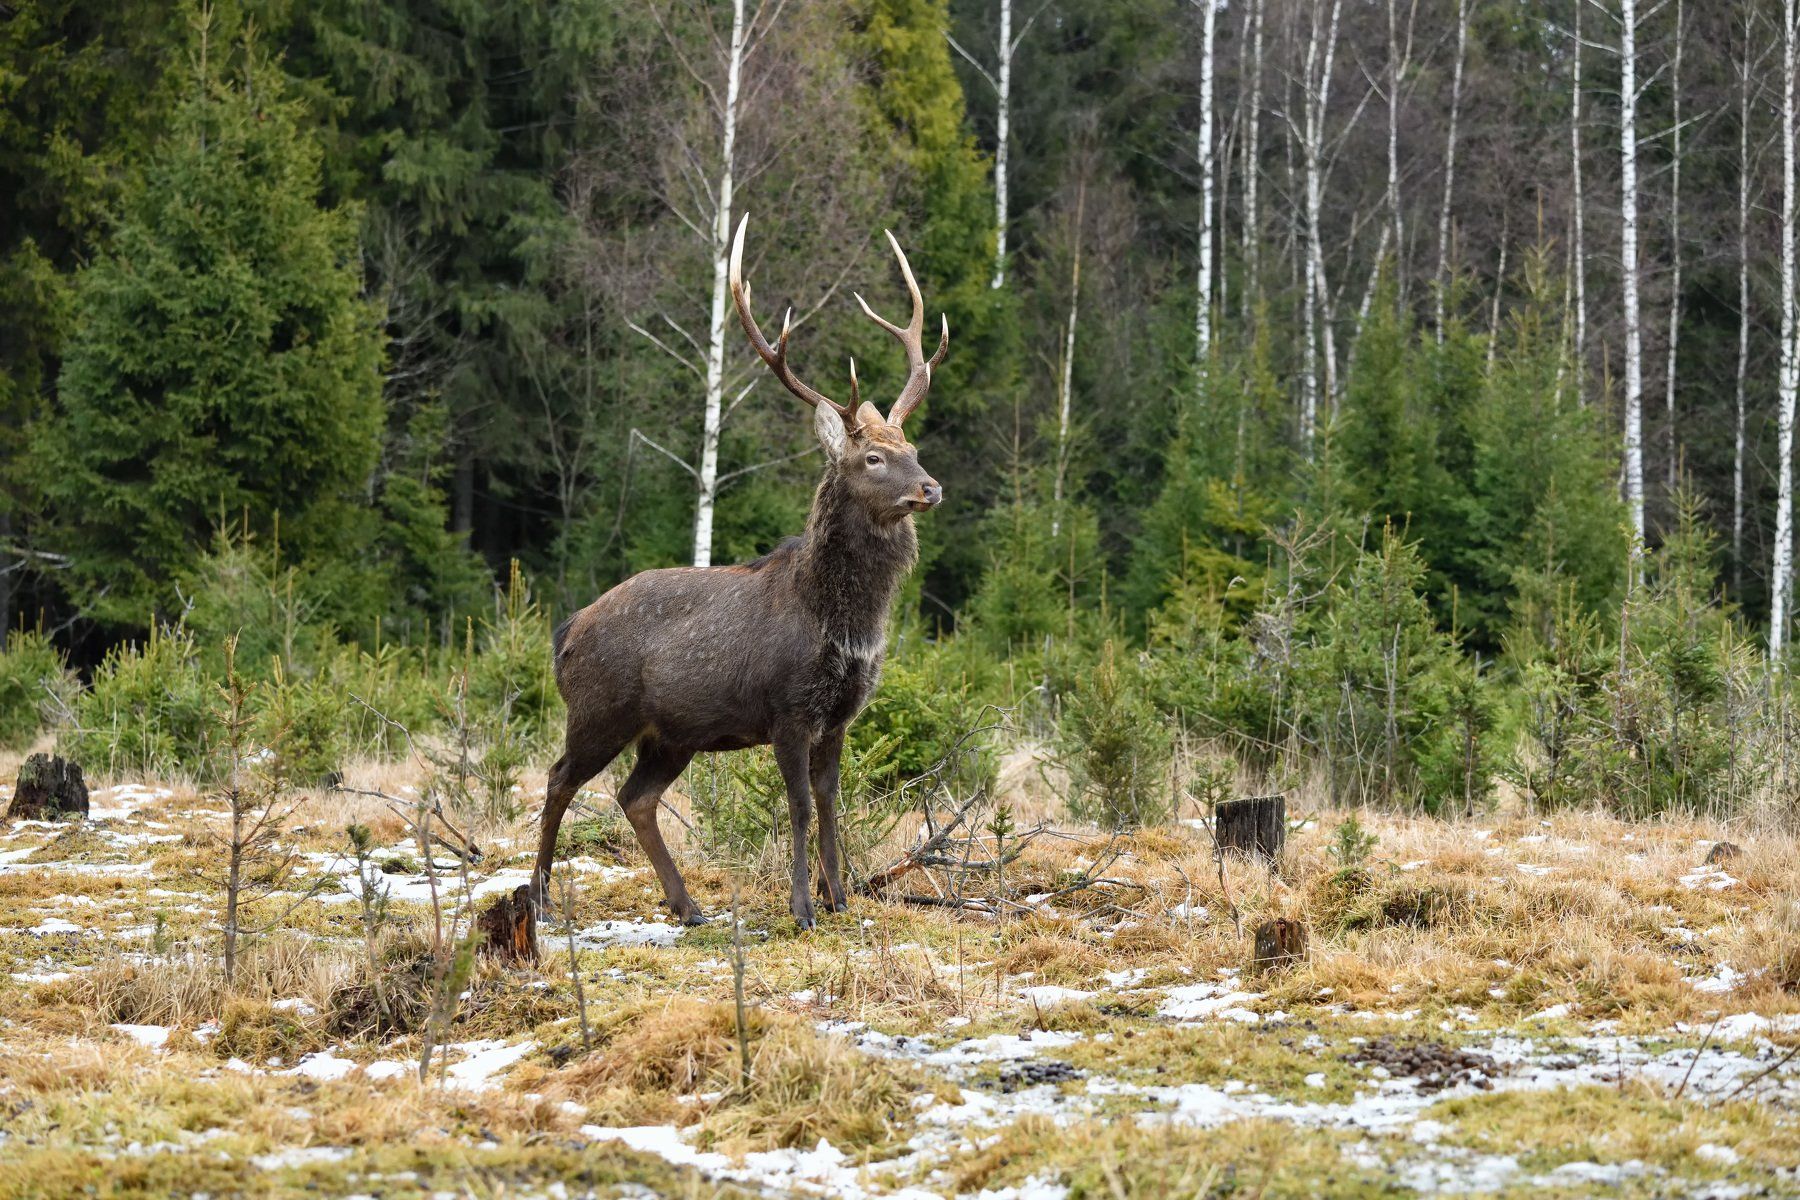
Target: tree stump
<point x="1280" y="942"/>
<point x="1255" y="826"/>
<point x="509" y="928"/>
<point x="1723" y="852"/>
<point x="49" y="788"/>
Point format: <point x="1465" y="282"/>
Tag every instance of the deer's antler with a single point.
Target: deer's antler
<point x="911" y="339"/>
<point x="776" y="355"/>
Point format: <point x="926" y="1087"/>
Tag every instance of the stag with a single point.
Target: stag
<point x="781" y="651"/>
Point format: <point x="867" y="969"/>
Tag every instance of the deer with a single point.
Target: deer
<point x="782" y="651"/>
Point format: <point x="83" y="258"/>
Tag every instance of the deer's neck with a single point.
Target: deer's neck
<point x="849" y="566"/>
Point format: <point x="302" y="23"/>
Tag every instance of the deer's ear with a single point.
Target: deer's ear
<point x="868" y="416"/>
<point x="830" y="428"/>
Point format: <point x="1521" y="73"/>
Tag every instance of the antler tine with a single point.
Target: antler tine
<point x="911" y="339"/>
<point x="775" y="356"/>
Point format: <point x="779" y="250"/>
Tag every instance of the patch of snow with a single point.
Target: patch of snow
<point x="387" y="1068"/>
<point x="150" y="1036"/>
<point x="76" y="868"/>
<point x="324" y="1065"/>
<point x="1047" y="994"/>
<point x="54" y="925"/>
<point x="1428" y="1130"/>
<point x="627" y="933"/>
<point x="1198" y="1001"/>
<point x="300" y="1156"/>
<point x="1038" y="1187"/>
<point x="1742" y="1027"/>
<point x="1534" y="869"/>
<point x="1710" y="878"/>
<point x="1725" y="979"/>
<point x="1555" y="1012"/>
<point x="483" y="1060"/>
<point x="1712" y="1152"/>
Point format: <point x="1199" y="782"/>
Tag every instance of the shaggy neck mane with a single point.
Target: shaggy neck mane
<point x="848" y="567"/>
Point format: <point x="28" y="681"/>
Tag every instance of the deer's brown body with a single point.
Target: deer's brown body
<point x="783" y="651"/>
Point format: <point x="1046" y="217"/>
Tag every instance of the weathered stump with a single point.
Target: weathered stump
<point x="1723" y="852"/>
<point x="1255" y="826"/>
<point x="1280" y="942"/>
<point x="49" y="788"/>
<point x="509" y="928"/>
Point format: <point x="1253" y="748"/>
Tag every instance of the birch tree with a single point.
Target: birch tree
<point x="1203" y="299"/>
<point x="1443" y="256"/>
<point x="1781" y="572"/>
<point x="714" y="223"/>
<point x="1315" y="96"/>
<point x="1399" y="58"/>
<point x="1065" y="375"/>
<point x="1671" y="444"/>
<point x="1578" y="217"/>
<point x="1743" y="340"/>
<point x="1000" y="79"/>
<point x="705" y="158"/>
<point x="1252" y="231"/>
<point x="1629" y="272"/>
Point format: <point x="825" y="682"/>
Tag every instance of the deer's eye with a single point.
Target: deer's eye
<point x="874" y="460"/>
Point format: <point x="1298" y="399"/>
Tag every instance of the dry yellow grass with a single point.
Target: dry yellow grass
<point x="1479" y="923"/>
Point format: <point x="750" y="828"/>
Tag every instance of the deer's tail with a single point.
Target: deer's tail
<point x="557" y="638"/>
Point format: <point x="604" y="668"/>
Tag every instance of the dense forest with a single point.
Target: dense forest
<point x="1402" y="387"/>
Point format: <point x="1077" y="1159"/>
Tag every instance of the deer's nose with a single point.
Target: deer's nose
<point x="933" y="493"/>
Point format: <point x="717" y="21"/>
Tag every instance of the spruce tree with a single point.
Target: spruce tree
<point x="223" y="365"/>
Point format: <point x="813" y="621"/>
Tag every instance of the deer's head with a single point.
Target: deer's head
<point x="868" y="451"/>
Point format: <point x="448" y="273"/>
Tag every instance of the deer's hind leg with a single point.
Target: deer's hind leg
<point x="583" y="758"/>
<point x="657" y="767"/>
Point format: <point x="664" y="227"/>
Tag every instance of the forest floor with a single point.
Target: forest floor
<point x="1569" y="1005"/>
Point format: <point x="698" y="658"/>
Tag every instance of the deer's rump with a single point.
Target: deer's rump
<point x="706" y="659"/>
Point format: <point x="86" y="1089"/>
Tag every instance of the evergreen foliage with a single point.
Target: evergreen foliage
<point x="329" y="344"/>
<point x="223" y="360"/>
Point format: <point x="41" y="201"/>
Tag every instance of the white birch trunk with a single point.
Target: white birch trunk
<point x="1743" y="353"/>
<point x="1443" y="256"/>
<point x="1002" y="133"/>
<point x="1253" y="164"/>
<point x="1672" y="444"/>
<point x="708" y="475"/>
<point x="1781" y="575"/>
<point x="1315" y="199"/>
<point x="1628" y="269"/>
<point x="1316" y="94"/>
<point x="1066" y="376"/>
<point x="1203" y="300"/>
<point x="1397" y="63"/>
<point x="1580" y="252"/>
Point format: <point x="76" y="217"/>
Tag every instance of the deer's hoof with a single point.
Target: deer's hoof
<point x="694" y="918"/>
<point x="803" y="914"/>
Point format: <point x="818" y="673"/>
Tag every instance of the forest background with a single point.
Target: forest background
<point x="1399" y="389"/>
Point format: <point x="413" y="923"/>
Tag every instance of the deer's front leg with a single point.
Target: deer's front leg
<point x="793" y="753"/>
<point x="825" y="760"/>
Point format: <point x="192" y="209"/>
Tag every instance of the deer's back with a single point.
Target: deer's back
<point x="709" y="659"/>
